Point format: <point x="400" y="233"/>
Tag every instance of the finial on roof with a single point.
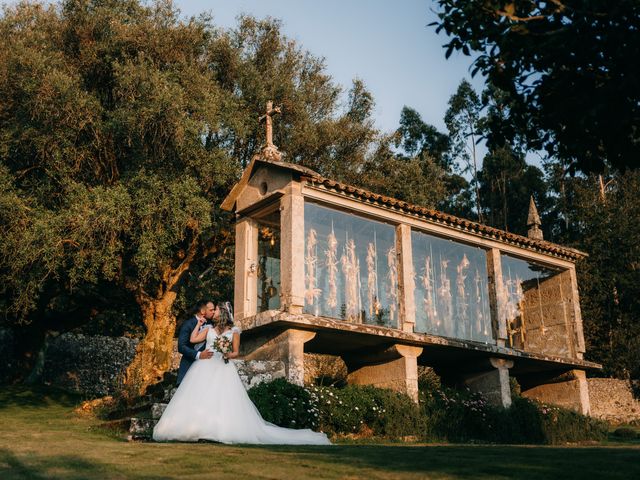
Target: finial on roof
<point x="533" y="222"/>
<point x="270" y="151"/>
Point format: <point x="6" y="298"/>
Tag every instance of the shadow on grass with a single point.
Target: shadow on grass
<point x="481" y="461"/>
<point x="36" y="396"/>
<point x="67" y="466"/>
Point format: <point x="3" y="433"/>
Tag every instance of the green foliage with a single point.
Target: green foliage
<point x="354" y="409"/>
<point x="628" y="433"/>
<point x="579" y="102"/>
<point x="285" y="404"/>
<point x="443" y="414"/>
<point x="365" y="409"/>
<point x="122" y="128"/>
<point x="462" y="416"/>
<point x="463" y="122"/>
<point x="606" y="224"/>
<point x="506" y="184"/>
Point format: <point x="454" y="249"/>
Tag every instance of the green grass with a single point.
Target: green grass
<point x="41" y="437"/>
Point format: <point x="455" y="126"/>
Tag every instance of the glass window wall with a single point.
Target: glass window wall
<point x="268" y="270"/>
<point x="350" y="267"/>
<point x="451" y="288"/>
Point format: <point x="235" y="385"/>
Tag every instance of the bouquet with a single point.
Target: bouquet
<point x="223" y="345"/>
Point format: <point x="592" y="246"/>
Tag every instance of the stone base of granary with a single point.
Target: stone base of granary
<point x="286" y="346"/>
<point x="395" y="368"/>
<point x="568" y="389"/>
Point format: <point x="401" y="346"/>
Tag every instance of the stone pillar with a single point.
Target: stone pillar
<point x="286" y="346"/>
<point x="292" y="249"/>
<point x="395" y="368"/>
<point x="577" y="315"/>
<point x="245" y="281"/>
<point x="568" y="390"/>
<point x="406" y="284"/>
<point x="497" y="297"/>
<point x="492" y="384"/>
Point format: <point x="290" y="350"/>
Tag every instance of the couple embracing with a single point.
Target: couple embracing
<point x="211" y="402"/>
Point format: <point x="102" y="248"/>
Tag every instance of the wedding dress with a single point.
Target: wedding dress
<point x="212" y="404"/>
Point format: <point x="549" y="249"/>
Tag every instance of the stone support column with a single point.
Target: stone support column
<point x="395" y="368"/>
<point x="577" y="315"/>
<point x="406" y="283"/>
<point x="497" y="297"/>
<point x="292" y="249"/>
<point x="568" y="390"/>
<point x="245" y="280"/>
<point x="493" y="384"/>
<point x="286" y="346"/>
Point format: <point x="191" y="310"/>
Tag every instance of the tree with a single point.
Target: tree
<point x="566" y="68"/>
<point x="419" y="180"/>
<point x="442" y="185"/>
<point x="609" y="278"/>
<point x="463" y="122"/>
<point x="122" y="127"/>
<point x="506" y="184"/>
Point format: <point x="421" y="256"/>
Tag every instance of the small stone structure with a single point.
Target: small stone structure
<point x="328" y="268"/>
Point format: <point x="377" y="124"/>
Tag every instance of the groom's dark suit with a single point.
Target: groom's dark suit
<point x="186" y="348"/>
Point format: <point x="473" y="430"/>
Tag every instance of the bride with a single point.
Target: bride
<point x="212" y="404"/>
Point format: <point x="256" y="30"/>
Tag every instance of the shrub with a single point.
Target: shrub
<point x="442" y="414"/>
<point x="285" y="404"/>
<point x="462" y="416"/>
<point x="560" y="425"/>
<point x="628" y="433"/>
<point x="354" y="409"/>
<point x="456" y="416"/>
<point x="362" y="409"/>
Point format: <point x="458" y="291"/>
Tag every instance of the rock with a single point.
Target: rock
<point x="141" y="428"/>
<point x="157" y="409"/>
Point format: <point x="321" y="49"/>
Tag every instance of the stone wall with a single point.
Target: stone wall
<point x="547" y="313"/>
<point x="92" y="365"/>
<point x="613" y="400"/>
<point x="95" y="365"/>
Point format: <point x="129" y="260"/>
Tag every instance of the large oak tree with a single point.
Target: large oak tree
<point x="122" y="127"/>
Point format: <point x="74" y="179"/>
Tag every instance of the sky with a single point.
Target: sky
<point x="386" y="44"/>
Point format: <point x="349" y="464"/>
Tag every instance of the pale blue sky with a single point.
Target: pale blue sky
<point x="386" y="44"/>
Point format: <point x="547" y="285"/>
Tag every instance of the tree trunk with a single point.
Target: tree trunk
<point x="153" y="355"/>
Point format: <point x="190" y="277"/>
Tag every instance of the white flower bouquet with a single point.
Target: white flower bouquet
<point x="223" y="345"/>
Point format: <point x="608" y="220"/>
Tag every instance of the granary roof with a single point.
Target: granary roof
<point x="314" y="179"/>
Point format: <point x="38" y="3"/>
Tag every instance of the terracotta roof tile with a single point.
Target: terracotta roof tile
<point x="446" y="219"/>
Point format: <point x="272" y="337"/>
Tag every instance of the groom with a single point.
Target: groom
<point x="204" y="310"/>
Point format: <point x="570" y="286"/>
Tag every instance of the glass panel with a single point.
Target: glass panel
<point x="268" y="267"/>
<point x="451" y="288"/>
<point x="350" y="267"/>
<point x="536" y="300"/>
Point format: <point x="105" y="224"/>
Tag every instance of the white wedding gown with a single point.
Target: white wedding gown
<point x="212" y="404"/>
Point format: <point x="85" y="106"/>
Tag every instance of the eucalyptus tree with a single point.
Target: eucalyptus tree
<point x="463" y="120"/>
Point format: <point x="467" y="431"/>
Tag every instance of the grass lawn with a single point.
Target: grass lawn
<point x="41" y="437"/>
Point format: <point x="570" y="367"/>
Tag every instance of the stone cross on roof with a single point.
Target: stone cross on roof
<point x="533" y="222"/>
<point x="270" y="151"/>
